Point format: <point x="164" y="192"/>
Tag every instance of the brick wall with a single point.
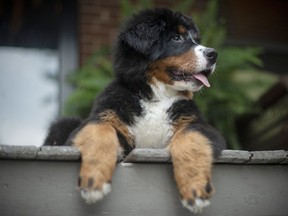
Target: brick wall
<point x="98" y="22"/>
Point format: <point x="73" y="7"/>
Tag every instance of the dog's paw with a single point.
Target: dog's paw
<point x="94" y="181"/>
<point x="93" y="195"/>
<point x="195" y="196"/>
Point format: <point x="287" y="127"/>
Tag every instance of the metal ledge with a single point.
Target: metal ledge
<point x="140" y="155"/>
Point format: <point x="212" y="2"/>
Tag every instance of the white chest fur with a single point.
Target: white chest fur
<point x="153" y="129"/>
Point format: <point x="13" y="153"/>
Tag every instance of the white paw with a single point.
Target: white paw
<point x="93" y="196"/>
<point x="197" y="206"/>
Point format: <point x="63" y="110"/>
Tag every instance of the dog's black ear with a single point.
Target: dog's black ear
<point x="142" y="36"/>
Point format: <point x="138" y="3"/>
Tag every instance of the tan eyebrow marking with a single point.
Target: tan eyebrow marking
<point x="182" y="29"/>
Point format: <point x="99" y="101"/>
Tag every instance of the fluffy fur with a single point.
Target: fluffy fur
<point x="158" y="64"/>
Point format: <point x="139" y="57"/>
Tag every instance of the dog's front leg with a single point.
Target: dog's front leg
<point x="98" y="144"/>
<point x="192" y="161"/>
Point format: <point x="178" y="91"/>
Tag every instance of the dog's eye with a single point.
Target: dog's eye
<point x="178" y="38"/>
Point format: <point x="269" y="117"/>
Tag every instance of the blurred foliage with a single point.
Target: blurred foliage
<point x="89" y="80"/>
<point x="128" y="8"/>
<point x="229" y="96"/>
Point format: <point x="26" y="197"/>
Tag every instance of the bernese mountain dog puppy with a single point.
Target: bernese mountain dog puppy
<point x="158" y="64"/>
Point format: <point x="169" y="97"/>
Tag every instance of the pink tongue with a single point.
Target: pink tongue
<point x="202" y="78"/>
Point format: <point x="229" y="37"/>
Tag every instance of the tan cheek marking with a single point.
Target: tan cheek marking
<point x="186" y="61"/>
<point x="98" y="144"/>
<point x="158" y="71"/>
<point x="192" y="161"/>
<point x="112" y="118"/>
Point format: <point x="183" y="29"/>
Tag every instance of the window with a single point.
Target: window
<point x="37" y="51"/>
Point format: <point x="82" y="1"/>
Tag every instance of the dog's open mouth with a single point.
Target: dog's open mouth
<point x="200" y="78"/>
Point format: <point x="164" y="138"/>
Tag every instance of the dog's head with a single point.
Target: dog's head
<point x="170" y="45"/>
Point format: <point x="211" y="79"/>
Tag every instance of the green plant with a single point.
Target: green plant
<point x="89" y="80"/>
<point x="222" y="104"/>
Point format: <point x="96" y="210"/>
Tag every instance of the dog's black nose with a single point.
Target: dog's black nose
<point x="211" y="54"/>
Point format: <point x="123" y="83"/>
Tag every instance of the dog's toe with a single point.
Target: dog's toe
<point x="197" y="206"/>
<point x="93" y="196"/>
<point x="195" y="197"/>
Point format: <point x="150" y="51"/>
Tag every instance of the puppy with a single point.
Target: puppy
<point x="158" y="64"/>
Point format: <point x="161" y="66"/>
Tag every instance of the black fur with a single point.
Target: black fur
<point x="60" y="130"/>
<point x="119" y="98"/>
